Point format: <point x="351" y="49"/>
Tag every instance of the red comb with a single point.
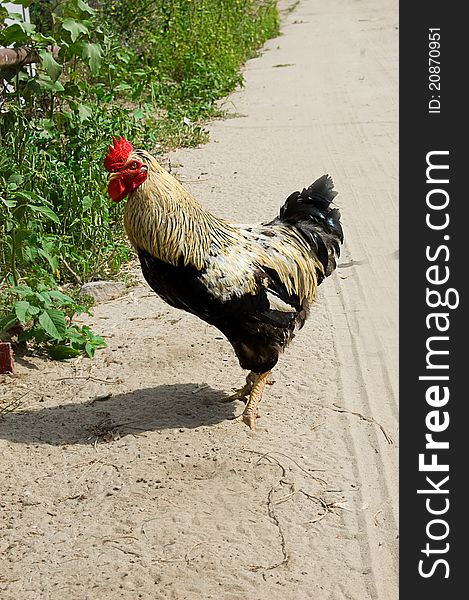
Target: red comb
<point x="118" y="154"/>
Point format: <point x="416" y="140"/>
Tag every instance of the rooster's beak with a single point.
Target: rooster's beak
<point x="112" y="176"/>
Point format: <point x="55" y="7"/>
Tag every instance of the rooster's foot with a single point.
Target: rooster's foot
<point x="251" y="412"/>
<point x="244" y="392"/>
<point x="249" y="419"/>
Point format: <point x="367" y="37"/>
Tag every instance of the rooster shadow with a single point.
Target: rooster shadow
<point x="149" y="409"/>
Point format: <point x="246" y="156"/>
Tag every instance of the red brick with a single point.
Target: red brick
<point x="6" y="358"/>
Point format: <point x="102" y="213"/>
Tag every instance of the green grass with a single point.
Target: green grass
<point x="189" y="52"/>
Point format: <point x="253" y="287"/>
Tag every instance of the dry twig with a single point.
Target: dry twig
<point x="328" y="507"/>
<point x="13" y="404"/>
<point x="340" y="409"/>
<point x="90" y="377"/>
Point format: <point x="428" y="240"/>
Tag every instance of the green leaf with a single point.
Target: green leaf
<point x="62" y="352"/>
<point x="44" y="298"/>
<point x="38" y="333"/>
<point x="94" y="53"/>
<point x="75" y="337"/>
<point x="87" y="203"/>
<point x="28" y="252"/>
<point x="52" y="260"/>
<point x="51" y="67"/>
<point x="85" y="7"/>
<point x="29" y="196"/>
<point x="28" y="28"/>
<point x="72" y="90"/>
<point x="7" y="322"/>
<point x="9" y="203"/>
<point x="63" y="298"/>
<point x="122" y="87"/>
<point x="22" y="310"/>
<point x="13" y="35"/>
<point x="53" y="322"/>
<point x="22" y="290"/>
<point x="16" y="178"/>
<point x="75" y="28"/>
<point x="45" y="83"/>
<point x="84" y="112"/>
<point x="46" y="211"/>
<point x="99" y="342"/>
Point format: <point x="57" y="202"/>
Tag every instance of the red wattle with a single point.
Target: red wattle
<point x="117" y="189"/>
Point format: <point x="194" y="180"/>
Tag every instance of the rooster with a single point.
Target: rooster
<point x="255" y="283"/>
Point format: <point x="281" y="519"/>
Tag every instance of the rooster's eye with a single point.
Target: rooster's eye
<point x="133" y="165"/>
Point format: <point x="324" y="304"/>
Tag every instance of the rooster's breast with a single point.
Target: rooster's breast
<point x="257" y="321"/>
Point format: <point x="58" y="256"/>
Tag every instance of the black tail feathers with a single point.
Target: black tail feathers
<point x="310" y="212"/>
<point x="314" y="204"/>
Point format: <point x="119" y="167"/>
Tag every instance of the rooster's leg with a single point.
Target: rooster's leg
<point x="249" y="415"/>
<point x="244" y="392"/>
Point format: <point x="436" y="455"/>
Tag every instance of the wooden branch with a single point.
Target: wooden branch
<point x="12" y="57"/>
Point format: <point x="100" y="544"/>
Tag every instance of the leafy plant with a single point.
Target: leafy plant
<point x="45" y="317"/>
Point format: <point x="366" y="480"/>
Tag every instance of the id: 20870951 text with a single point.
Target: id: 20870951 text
<point x="434" y="70"/>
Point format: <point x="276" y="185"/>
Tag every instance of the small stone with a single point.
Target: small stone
<point x="102" y="291"/>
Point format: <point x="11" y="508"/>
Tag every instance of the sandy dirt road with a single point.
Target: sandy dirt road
<point x="123" y="477"/>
